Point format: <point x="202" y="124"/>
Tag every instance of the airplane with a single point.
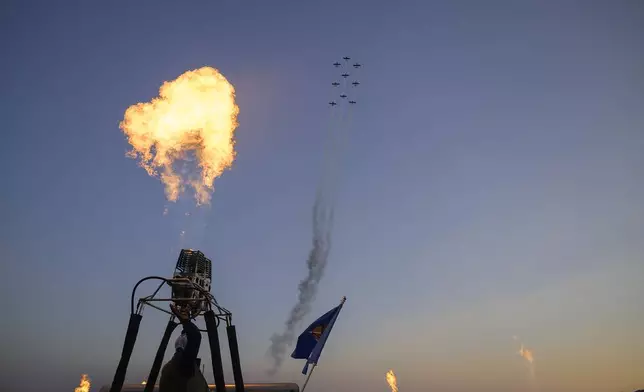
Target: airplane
<point x="355" y="83"/>
<point x="332" y="103"/>
<point x="352" y="102"/>
<point x="346" y="58"/>
<point x="337" y="64"/>
<point x="343" y="96"/>
<point x="335" y="84"/>
<point x="345" y="75"/>
<point x="357" y="65"/>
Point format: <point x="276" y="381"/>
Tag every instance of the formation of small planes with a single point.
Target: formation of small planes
<point x="345" y="75"/>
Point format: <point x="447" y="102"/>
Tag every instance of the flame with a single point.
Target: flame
<point x="144" y="382"/>
<point x="85" y="384"/>
<point x="391" y="380"/>
<point x="194" y="114"/>
<point x="526" y="353"/>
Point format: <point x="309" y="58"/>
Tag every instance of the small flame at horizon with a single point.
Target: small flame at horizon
<point x="84" y="385"/>
<point x="526" y="353"/>
<point x="392" y="381"/>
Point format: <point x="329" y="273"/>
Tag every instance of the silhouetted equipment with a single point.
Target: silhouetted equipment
<point x="259" y="387"/>
<point x="190" y="286"/>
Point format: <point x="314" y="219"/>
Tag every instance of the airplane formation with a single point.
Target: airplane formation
<point x="345" y="75"/>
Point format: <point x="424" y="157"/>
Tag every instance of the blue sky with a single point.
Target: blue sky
<point x="492" y="187"/>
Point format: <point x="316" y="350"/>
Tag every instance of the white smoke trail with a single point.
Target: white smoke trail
<point x="307" y="289"/>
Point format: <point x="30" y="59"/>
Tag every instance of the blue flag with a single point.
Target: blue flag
<point x="311" y="342"/>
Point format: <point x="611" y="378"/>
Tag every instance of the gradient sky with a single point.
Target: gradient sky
<point x="493" y="187"/>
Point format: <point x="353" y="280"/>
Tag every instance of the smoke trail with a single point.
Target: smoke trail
<point x="323" y="212"/>
<point x="307" y="289"/>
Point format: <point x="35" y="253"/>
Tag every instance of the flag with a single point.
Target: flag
<point x="311" y="342"/>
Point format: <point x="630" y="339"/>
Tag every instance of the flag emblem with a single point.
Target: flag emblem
<point x="318" y="331"/>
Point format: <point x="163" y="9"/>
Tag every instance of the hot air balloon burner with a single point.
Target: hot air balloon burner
<point x="191" y="282"/>
<point x="190" y="295"/>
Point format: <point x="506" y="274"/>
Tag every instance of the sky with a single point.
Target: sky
<point x="492" y="187"/>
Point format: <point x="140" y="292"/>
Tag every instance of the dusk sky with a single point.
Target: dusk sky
<point x="492" y="187"/>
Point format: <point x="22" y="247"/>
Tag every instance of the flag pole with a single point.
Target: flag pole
<point x="308" y="376"/>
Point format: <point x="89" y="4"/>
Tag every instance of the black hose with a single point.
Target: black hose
<point x="158" y="359"/>
<point x="137" y="285"/>
<point x="128" y="347"/>
<point x="234" y="358"/>
<point x="215" y="351"/>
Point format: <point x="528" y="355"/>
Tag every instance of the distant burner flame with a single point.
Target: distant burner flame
<point x="391" y="380"/>
<point x="527" y="354"/>
<point x="85" y="384"/>
<point x="192" y="121"/>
